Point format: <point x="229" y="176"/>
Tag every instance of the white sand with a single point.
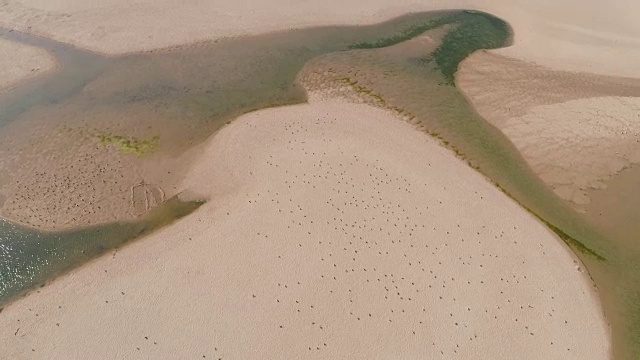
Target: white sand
<point x="573" y="34"/>
<point x="334" y="231"/>
<point x="20" y="62"/>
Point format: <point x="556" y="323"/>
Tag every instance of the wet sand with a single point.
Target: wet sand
<point x="64" y="174"/>
<point x="400" y="250"/>
<point x="572" y="35"/>
<point x="615" y="208"/>
<point x="547" y="57"/>
<point x="30" y="259"/>
<point x="91" y="126"/>
<point x="575" y="130"/>
<point x="20" y="62"/>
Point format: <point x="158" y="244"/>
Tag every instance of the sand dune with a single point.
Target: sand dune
<point x="20" y="62"/>
<point x="326" y="237"/>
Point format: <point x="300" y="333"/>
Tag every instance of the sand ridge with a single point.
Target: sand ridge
<point x="326" y="236"/>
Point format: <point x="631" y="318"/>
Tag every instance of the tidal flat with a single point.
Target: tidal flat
<point x="194" y="90"/>
<point x="30" y="258"/>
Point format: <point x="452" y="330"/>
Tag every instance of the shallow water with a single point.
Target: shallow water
<point x="29" y="258"/>
<point x="616" y="207"/>
<point x="395" y="78"/>
<point x="77" y="68"/>
<point x="195" y="89"/>
<point x="191" y="91"/>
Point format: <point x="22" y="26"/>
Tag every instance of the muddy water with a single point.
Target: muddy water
<point x="180" y="96"/>
<point x="77" y="68"/>
<point x="615" y="208"/>
<point x="199" y="86"/>
<point x="616" y="211"/>
<point x="194" y="90"/>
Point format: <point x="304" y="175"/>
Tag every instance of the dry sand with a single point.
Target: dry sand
<point x="326" y="237"/>
<point x="20" y="62"/>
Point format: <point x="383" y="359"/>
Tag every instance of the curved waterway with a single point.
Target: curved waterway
<point x="187" y="93"/>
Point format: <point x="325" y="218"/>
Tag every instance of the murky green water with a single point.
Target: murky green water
<point x="28" y="258"/>
<point x="196" y="89"/>
<point x="77" y="69"/>
<point x="203" y="85"/>
<point x="418" y="87"/>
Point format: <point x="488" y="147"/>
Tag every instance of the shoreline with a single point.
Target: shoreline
<point x="62" y="140"/>
<point x="566" y="27"/>
<point x="473" y="103"/>
<point x="46" y="63"/>
<point x="570" y="103"/>
<point x="41" y="256"/>
<point x="272" y="154"/>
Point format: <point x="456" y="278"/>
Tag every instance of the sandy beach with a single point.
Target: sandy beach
<point x="20" y="62"/>
<point x="358" y="246"/>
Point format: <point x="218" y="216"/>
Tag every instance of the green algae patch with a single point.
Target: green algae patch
<point x="130" y="144"/>
<point x="361" y="90"/>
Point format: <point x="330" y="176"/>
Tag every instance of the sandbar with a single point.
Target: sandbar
<point x="326" y="236"/>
